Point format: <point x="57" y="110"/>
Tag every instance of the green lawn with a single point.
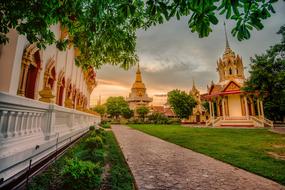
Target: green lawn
<point x="244" y="148"/>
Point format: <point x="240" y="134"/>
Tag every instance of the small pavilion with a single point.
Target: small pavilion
<point x="229" y="104"/>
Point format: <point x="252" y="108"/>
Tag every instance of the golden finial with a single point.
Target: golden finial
<point x="227" y="41"/>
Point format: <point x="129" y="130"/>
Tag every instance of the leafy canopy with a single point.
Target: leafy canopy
<point x="181" y="103"/>
<point x="127" y="113"/>
<point x="104" y="30"/>
<point x="267" y="77"/>
<point x="101" y="109"/>
<point x="142" y="111"/>
<point x="116" y="106"/>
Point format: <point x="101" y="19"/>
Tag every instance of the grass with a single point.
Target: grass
<point x="244" y="148"/>
<point x="120" y="175"/>
<point x="89" y="155"/>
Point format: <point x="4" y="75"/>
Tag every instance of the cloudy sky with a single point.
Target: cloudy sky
<point x="171" y="56"/>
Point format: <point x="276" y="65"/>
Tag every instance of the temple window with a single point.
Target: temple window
<point x="230" y="71"/>
<point x="60" y="89"/>
<point x="31" y="66"/>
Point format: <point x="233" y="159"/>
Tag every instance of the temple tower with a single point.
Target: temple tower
<point x="230" y="66"/>
<point x="138" y="96"/>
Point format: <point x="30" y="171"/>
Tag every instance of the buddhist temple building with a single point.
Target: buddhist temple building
<point x="160" y="105"/>
<point x="44" y="99"/>
<point x="229" y="104"/>
<point x="138" y="96"/>
<point x="199" y="113"/>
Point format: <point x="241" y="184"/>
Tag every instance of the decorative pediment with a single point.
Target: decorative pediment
<point x="231" y="86"/>
<point x="215" y="89"/>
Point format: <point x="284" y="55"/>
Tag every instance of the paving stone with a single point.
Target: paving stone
<point x="160" y="165"/>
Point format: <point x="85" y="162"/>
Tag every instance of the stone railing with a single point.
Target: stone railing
<point x="261" y="121"/>
<point x="268" y="122"/>
<point x="209" y="122"/>
<point x="216" y="121"/>
<point x="30" y="129"/>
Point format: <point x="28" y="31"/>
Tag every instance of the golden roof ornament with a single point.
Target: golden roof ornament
<point x="228" y="50"/>
<point x="138" y="82"/>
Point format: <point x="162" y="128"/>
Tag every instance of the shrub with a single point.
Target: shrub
<point x="103" y="122"/>
<point x="79" y="174"/>
<point x="174" y="121"/>
<point x="158" y="118"/>
<point x="106" y="125"/>
<point x="120" y="178"/>
<point x="94" y="142"/>
<point x="98" y="156"/>
<point x="97" y="132"/>
<point x="91" y="128"/>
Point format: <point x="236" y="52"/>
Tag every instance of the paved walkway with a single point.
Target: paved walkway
<point x="280" y="130"/>
<point x="159" y="165"/>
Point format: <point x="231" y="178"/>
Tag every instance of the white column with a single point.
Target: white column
<point x="246" y="108"/>
<point x="261" y="109"/>
<point x="210" y="106"/>
<point x="213" y="110"/>
<point x="223" y="107"/>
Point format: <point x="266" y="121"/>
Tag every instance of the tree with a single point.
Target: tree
<point x="206" y="105"/>
<point x="158" y="118"/>
<point x="267" y="76"/>
<point x="104" y="31"/>
<point x="142" y="112"/>
<point x="116" y="105"/>
<point x="127" y="113"/>
<point x="101" y="109"/>
<point x="181" y="103"/>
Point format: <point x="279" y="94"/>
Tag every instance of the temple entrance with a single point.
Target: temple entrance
<point x="198" y="118"/>
<point x="249" y="108"/>
<point x="221" y="108"/>
<point x="32" y="77"/>
<point x="31" y="65"/>
<point x="60" y="89"/>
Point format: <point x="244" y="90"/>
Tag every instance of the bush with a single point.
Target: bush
<point x="158" y="118"/>
<point x="94" y="142"/>
<point x="98" y="156"/>
<point x="98" y="132"/>
<point x="79" y="174"/>
<point x="175" y="121"/>
<point x="106" y="125"/>
<point x="91" y="128"/>
<point x="103" y="122"/>
<point x="120" y="178"/>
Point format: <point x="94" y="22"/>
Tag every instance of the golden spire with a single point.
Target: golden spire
<point x="138" y="74"/>
<point x="228" y="50"/>
<point x="138" y="82"/>
<point x="194" y="89"/>
<point x="227" y="41"/>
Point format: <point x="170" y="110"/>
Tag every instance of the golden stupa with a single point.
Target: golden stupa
<point x="138" y="96"/>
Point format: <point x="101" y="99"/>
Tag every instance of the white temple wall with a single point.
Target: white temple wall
<point x="234" y="105"/>
<point x="10" y="59"/>
<point x="29" y="129"/>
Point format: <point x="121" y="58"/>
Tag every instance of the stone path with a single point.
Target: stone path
<point x="280" y="130"/>
<point x="159" y="165"/>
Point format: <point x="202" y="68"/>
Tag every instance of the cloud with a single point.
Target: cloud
<point x="171" y="56"/>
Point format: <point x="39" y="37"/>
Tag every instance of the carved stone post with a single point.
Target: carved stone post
<point x="23" y="78"/>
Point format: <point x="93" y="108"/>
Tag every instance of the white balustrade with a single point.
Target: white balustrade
<point x="26" y="124"/>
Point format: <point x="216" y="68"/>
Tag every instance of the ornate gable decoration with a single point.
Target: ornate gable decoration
<point x="232" y="86"/>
